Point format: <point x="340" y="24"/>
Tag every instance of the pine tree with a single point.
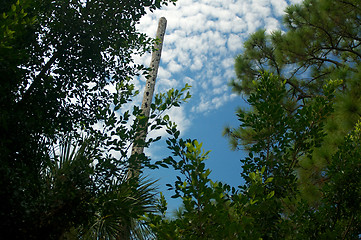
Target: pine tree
<point x="320" y="42"/>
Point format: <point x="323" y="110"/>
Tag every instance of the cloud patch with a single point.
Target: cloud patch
<point x="201" y="41"/>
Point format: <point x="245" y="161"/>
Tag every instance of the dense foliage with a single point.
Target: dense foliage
<point x="269" y="205"/>
<point x="320" y="42"/>
<point x="66" y="70"/>
<point x="301" y="133"/>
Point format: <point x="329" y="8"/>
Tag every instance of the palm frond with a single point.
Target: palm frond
<point x="120" y="211"/>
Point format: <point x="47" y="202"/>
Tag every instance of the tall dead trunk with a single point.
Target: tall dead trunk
<point x="149" y="90"/>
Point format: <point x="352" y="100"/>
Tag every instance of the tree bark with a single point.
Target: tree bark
<point x="149" y="90"/>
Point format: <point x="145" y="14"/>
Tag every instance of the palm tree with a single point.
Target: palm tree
<point x="111" y="213"/>
<point x="119" y="211"/>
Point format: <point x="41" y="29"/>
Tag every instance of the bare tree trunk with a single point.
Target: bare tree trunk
<point x="149" y="90"/>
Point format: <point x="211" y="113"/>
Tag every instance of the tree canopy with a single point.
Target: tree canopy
<point x="300" y="131"/>
<point x="269" y="205"/>
<point x="320" y="42"/>
<point x="66" y="68"/>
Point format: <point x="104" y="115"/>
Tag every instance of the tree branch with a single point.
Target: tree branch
<point x="298" y="89"/>
<point x="46" y="68"/>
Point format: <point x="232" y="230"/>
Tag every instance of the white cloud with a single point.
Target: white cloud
<point x="261" y="7"/>
<point x="216" y="81"/>
<point x="272" y="24"/>
<point x="197" y="63"/>
<point x="234" y="42"/>
<point x="183" y="58"/>
<point x="279" y="7"/>
<point x="220" y="90"/>
<point x="177" y="115"/>
<point x="295" y="1"/>
<point x="164" y="84"/>
<point x="189" y="80"/>
<point x="203" y="106"/>
<point x="253" y="22"/>
<point x="206" y="104"/>
<point x="228" y="62"/>
<point x="201" y="41"/>
<point x="174" y="67"/>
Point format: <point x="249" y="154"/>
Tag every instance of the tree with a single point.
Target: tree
<point x="269" y="205"/>
<point x="320" y="41"/>
<point x="281" y="139"/>
<point x="59" y="62"/>
<point x="211" y="210"/>
<point x="301" y="133"/>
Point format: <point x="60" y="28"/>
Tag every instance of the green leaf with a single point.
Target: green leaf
<point x="252" y="176"/>
<point x="263" y="169"/>
<point x="270" y="195"/>
<point x="253" y="201"/>
<point x="270" y="179"/>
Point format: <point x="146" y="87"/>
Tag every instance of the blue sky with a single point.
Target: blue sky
<point x="202" y="39"/>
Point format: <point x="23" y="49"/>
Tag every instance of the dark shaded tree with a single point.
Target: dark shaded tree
<point x="268" y="205"/>
<point x="320" y="41"/>
<point x="59" y="61"/>
<point x="301" y="133"/>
